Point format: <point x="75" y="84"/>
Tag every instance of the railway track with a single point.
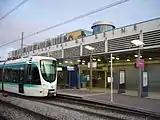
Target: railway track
<point x="24" y="111"/>
<point x="83" y="102"/>
<point x="54" y="102"/>
<point x="92" y="108"/>
<point x="80" y="109"/>
<point x="107" y="111"/>
<point x="96" y="109"/>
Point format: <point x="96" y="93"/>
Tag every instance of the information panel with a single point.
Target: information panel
<point x="121" y="88"/>
<point x="145" y="79"/>
<point x="122" y="77"/>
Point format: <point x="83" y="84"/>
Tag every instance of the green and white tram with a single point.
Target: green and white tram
<point x="32" y="76"/>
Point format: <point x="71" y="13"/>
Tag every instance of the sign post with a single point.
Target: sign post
<point x="139" y="61"/>
<point x="140" y="66"/>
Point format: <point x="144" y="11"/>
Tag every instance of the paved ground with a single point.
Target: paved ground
<point x="119" y="99"/>
<point x="80" y="93"/>
<point x="151" y="95"/>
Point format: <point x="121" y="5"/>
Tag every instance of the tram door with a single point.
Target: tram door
<point x="21" y="80"/>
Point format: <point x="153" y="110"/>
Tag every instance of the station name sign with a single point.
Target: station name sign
<point x="139" y="63"/>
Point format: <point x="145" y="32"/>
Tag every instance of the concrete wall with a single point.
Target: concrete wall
<point x="132" y="76"/>
<point x="154" y="77"/>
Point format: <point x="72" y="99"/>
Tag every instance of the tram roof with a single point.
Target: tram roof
<point x="34" y="58"/>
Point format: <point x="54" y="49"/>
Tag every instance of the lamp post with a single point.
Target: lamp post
<point x="90" y="49"/>
<point x="111" y="78"/>
<point x="139" y="44"/>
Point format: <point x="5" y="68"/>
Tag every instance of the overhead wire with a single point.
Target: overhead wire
<point x="70" y="20"/>
<point x="14" y="9"/>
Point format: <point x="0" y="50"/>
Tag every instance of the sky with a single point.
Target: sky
<point x="35" y="15"/>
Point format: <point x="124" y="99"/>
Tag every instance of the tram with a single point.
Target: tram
<point x="32" y="76"/>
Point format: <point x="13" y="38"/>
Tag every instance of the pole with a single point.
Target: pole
<point x="105" y="79"/>
<point x="111" y="80"/>
<point x="79" y="75"/>
<point x="22" y="44"/>
<point x="140" y="76"/>
<point x="91" y="70"/>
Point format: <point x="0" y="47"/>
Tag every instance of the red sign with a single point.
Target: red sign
<point x="139" y="63"/>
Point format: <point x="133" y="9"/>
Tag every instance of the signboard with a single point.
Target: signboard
<point x="109" y="79"/>
<point x="87" y="77"/>
<point x="73" y="35"/>
<point x="145" y="79"/>
<point x="70" y="68"/>
<point x="122" y="77"/>
<point x="139" y="63"/>
<point x="59" y="69"/>
<point x="94" y="64"/>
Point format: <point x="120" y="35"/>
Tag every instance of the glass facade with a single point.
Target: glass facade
<point x="87" y="33"/>
<point x="101" y="28"/>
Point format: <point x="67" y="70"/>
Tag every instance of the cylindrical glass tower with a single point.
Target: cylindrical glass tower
<point x="101" y="26"/>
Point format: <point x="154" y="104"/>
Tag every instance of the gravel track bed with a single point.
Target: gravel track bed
<point x="2" y="118"/>
<point x="8" y="112"/>
<point x="54" y="112"/>
<point x="92" y="109"/>
<point x="62" y="110"/>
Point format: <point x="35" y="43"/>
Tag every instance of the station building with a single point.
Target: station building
<point x="106" y="39"/>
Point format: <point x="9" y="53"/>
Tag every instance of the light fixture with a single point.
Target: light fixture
<point x="117" y="58"/>
<point x="94" y="59"/>
<point x="71" y="62"/>
<point x="78" y="60"/>
<point x="98" y="60"/>
<point x="135" y="55"/>
<point x="66" y="61"/>
<point x="83" y="63"/>
<point x="150" y="58"/>
<point x="128" y="60"/>
<point x="89" y="47"/>
<point x="137" y="42"/>
<point x="113" y="57"/>
<point x="60" y="63"/>
<point x="59" y="69"/>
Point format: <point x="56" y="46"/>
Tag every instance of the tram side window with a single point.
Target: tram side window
<point x="35" y="75"/>
<point x="8" y="74"/>
<point x="12" y="73"/>
<point x="15" y="75"/>
<point x="20" y="73"/>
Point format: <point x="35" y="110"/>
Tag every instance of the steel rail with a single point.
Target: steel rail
<point x="91" y="104"/>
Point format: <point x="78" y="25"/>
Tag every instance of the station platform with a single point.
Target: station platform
<point x="122" y="100"/>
